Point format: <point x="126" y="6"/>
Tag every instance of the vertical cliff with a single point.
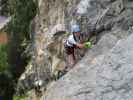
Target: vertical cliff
<point x="54" y="17"/>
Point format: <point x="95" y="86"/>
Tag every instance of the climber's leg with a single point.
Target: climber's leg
<point x="71" y="60"/>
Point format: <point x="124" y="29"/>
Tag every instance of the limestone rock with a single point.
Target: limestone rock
<point x="53" y="18"/>
<point x="108" y="77"/>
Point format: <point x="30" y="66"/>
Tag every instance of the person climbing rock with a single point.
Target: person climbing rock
<point x="74" y="41"/>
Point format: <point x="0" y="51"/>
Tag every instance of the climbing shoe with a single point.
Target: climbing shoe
<point x="61" y="73"/>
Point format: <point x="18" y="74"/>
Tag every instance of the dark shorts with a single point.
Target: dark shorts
<point x="69" y="50"/>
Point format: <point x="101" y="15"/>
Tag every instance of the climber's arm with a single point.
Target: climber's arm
<point x="84" y="45"/>
<point x="80" y="45"/>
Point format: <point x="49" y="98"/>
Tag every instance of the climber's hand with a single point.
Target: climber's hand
<point x="87" y="44"/>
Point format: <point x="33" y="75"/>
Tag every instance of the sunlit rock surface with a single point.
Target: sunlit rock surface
<point x="107" y="76"/>
<point x="115" y="21"/>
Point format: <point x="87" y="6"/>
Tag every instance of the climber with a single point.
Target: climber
<point x="74" y="41"/>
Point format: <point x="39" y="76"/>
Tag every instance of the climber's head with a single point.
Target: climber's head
<point x="76" y="30"/>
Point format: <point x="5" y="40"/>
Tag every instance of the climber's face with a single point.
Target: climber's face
<point x="77" y="34"/>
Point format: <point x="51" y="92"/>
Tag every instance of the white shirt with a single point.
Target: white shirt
<point x="71" y="41"/>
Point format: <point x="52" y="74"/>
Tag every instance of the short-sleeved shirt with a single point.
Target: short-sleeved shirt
<point x="71" y="42"/>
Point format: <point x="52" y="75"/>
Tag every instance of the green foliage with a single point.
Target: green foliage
<point x="22" y="11"/>
<point x="4" y="4"/>
<point x="5" y="77"/>
<point x="6" y="86"/>
<point x="19" y="98"/>
<point x="3" y="58"/>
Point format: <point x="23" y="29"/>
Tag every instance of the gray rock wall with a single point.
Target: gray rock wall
<point x="108" y="76"/>
<point x="113" y="17"/>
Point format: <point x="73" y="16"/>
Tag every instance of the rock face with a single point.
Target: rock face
<point x="105" y="73"/>
<point x="107" y="76"/>
<point x="114" y="21"/>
